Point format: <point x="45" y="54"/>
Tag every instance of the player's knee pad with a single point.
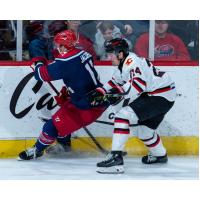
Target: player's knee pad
<point x="50" y="129"/>
<point x="127" y="113"/>
<point x="143" y="132"/>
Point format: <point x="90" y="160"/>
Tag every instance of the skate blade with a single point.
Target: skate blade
<point x="110" y="170"/>
<point x="19" y="159"/>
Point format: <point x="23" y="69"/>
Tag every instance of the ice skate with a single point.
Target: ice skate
<point x="113" y="164"/>
<point x="30" y="154"/>
<point x="150" y="159"/>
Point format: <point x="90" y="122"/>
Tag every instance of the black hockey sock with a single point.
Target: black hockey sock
<point x="64" y="141"/>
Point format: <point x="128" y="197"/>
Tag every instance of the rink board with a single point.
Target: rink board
<point x="24" y="101"/>
<point x="175" y="145"/>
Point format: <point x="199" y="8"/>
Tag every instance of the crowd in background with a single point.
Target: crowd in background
<point x="175" y="40"/>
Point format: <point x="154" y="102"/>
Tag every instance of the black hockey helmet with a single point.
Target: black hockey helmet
<point x="116" y="45"/>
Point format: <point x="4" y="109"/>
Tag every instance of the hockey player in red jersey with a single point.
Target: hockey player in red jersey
<point x="149" y="95"/>
<point x="75" y="67"/>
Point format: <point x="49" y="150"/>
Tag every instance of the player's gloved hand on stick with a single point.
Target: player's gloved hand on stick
<point x="62" y="97"/>
<point x="96" y="97"/>
<point x="38" y="59"/>
<point x="114" y="99"/>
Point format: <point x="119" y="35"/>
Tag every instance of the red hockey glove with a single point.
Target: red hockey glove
<point x="62" y="97"/>
<point x="37" y="59"/>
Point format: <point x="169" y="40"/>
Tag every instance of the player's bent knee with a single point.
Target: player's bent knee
<point x="127" y="113"/>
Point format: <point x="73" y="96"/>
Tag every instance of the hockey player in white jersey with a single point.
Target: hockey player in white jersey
<point x="149" y="95"/>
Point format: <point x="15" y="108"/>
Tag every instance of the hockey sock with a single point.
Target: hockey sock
<point x="154" y="144"/>
<point x="47" y="136"/>
<point x="152" y="140"/>
<point x="65" y="141"/>
<point x="120" y="134"/>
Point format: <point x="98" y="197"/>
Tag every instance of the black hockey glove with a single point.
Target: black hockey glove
<point x="96" y="97"/>
<point x="112" y="96"/>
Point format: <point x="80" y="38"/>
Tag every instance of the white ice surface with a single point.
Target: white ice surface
<point x="84" y="168"/>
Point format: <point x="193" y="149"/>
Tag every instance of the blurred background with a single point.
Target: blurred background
<point x="158" y="40"/>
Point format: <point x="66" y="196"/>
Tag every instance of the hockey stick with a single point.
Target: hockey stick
<point x="84" y="141"/>
<point x="110" y="95"/>
<point x="111" y="123"/>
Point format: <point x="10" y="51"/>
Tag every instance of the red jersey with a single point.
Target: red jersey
<point x="169" y="48"/>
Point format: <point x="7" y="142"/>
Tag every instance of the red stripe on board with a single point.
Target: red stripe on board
<point x="176" y="63"/>
<point x="108" y="63"/>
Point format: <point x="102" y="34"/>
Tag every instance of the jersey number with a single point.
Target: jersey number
<point x="137" y="71"/>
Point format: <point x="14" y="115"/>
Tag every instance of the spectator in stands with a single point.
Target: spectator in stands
<point x="82" y="41"/>
<point x="106" y="31"/>
<point x="40" y="34"/>
<point x="188" y="31"/>
<point x="138" y="27"/>
<point x="4" y="52"/>
<point x="89" y="27"/>
<point x="168" y="46"/>
<point x="7" y="40"/>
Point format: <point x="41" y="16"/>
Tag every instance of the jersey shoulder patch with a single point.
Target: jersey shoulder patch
<point x="129" y="61"/>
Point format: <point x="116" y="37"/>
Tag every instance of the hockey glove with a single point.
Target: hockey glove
<point x="96" y="97"/>
<point x="113" y="97"/>
<point x="38" y="59"/>
<point x="62" y="97"/>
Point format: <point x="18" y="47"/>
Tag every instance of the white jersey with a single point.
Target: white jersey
<point x="138" y="75"/>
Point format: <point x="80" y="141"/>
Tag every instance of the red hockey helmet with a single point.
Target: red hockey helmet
<point x="66" y="38"/>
